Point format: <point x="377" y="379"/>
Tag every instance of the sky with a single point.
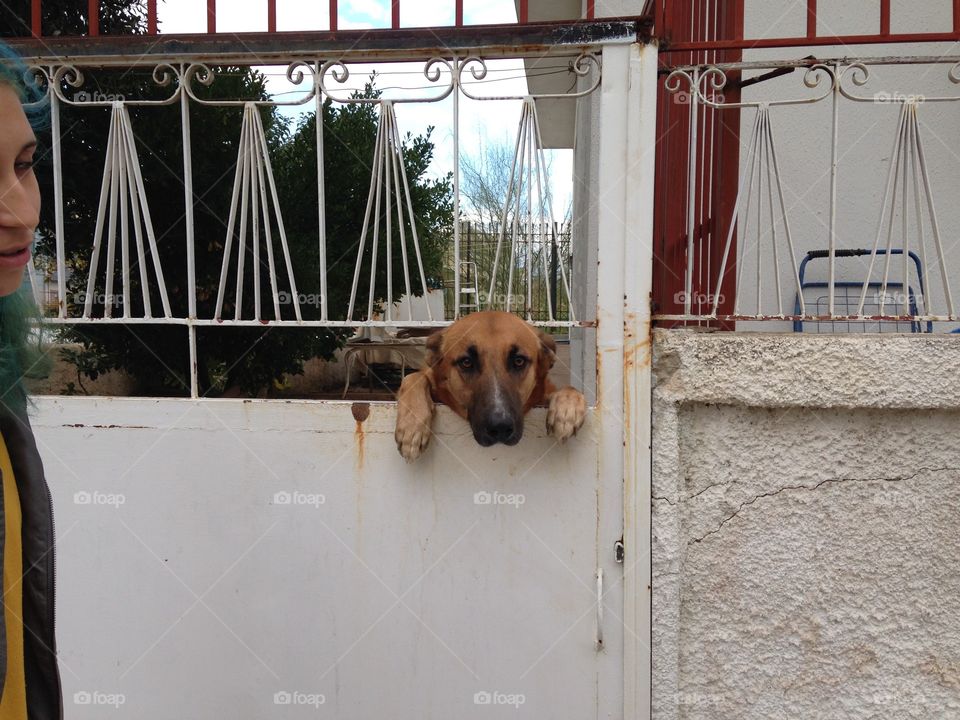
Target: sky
<point x="492" y="121"/>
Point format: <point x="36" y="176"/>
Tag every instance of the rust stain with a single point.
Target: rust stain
<point x="361" y="411"/>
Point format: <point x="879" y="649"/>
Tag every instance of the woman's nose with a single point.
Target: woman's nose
<point x="19" y="206"/>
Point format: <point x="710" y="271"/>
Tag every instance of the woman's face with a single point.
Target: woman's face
<point x="19" y="192"/>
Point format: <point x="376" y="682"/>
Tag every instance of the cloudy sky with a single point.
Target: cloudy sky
<point x="480" y="122"/>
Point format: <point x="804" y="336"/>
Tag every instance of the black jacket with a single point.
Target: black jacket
<point x="44" y="695"/>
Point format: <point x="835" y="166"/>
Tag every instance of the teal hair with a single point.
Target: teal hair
<point x="20" y="351"/>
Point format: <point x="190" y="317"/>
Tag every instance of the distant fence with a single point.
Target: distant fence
<point x="485" y="279"/>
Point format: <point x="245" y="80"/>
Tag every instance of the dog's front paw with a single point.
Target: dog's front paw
<point x="568" y="409"/>
<point x="412" y="435"/>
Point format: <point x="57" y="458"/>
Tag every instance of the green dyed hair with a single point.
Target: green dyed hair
<point x="20" y="352"/>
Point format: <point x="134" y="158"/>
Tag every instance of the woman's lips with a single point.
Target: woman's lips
<point x="15" y="258"/>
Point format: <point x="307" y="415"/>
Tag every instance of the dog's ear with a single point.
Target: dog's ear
<point x="435" y="348"/>
<point x="548" y="353"/>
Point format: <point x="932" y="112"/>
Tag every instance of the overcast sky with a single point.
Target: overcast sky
<point x="490" y="121"/>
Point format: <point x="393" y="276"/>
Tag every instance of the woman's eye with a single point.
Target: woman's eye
<point x="519" y="362"/>
<point x="23" y="165"/>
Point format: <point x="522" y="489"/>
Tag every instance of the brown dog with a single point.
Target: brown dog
<point x="490" y="368"/>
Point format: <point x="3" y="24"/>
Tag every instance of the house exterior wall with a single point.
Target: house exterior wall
<point x="806" y="492"/>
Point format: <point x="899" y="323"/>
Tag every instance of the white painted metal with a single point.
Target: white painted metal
<point x="907" y="181"/>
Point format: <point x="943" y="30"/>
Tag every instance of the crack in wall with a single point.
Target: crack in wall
<point x="815" y="487"/>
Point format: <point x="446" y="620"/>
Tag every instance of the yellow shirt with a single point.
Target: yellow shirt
<point x="13" y="704"/>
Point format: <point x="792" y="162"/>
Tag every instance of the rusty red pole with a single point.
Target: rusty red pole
<point x="36" y="26"/>
<point x="93" y="18"/>
<point x="395" y="14"/>
<point x="459" y="13"/>
<point x="333" y="15"/>
<point x="956" y="16"/>
<point x="152" y="17"/>
<point x="884" y="17"/>
<point x="271" y="15"/>
<point x="211" y="16"/>
<point x="591" y="9"/>
<point x="524" y="12"/>
<point x="811" y="18"/>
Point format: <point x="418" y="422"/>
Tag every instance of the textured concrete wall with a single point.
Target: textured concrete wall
<point x="806" y="527"/>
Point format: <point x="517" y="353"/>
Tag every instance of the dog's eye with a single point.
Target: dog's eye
<point x="465" y="363"/>
<point x="519" y="362"/>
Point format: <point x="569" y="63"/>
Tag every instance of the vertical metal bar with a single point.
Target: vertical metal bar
<point x="529" y="229"/>
<point x="506" y="209"/>
<point x="834" y="151"/>
<point x="387" y="193"/>
<point x="151" y="17"/>
<point x="811" y="18"/>
<point x="112" y="218"/>
<point x="231" y="219"/>
<point x="900" y="157"/>
<point x="141" y="255"/>
<point x="925" y="308"/>
<point x="271" y="16"/>
<point x="259" y="150"/>
<point x="884" y="17"/>
<point x="458" y="13"/>
<point x="249" y="162"/>
<point x="956" y="16"/>
<point x="124" y="226"/>
<point x="333" y="16"/>
<point x="248" y="198"/>
<point x="456" y="178"/>
<point x="211" y="16"/>
<point x="934" y="225"/>
<point x="36" y="20"/>
<point x="93" y="17"/>
<point x="635" y="428"/>
<point x="591" y="9"/>
<point x="98" y="229"/>
<point x="395" y="14"/>
<point x="366" y="220"/>
<point x="691" y="189"/>
<point x="396" y="159"/>
<point x="56" y="140"/>
<point x="385" y="107"/>
<point x="321" y="194"/>
<point x="192" y="340"/>
<point x="188" y="206"/>
<point x="524" y="12"/>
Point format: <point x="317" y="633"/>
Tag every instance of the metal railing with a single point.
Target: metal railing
<point x="123" y="260"/>
<point x="769" y="256"/>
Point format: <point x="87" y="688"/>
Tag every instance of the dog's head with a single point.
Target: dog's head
<point x="490" y="368"/>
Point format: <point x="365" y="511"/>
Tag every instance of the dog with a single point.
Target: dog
<point x="490" y="368"/>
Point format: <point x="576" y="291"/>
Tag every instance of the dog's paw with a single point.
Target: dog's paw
<point x="568" y="409"/>
<point x="412" y="438"/>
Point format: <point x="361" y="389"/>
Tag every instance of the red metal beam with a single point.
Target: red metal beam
<point x="395" y="14"/>
<point x="884" y="17"/>
<point x="591" y="9"/>
<point x="741" y="44"/>
<point x="956" y="16"/>
<point x="333" y="15"/>
<point x="36" y="26"/>
<point x="811" y="18"/>
<point x="211" y="16"/>
<point x="152" y="17"/>
<point x="458" y="20"/>
<point x="93" y="18"/>
<point x="523" y="17"/>
<point x="271" y="15"/>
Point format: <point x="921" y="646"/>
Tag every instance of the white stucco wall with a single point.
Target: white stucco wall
<point x="806" y="498"/>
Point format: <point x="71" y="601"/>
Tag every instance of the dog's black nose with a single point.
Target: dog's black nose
<point x="500" y="429"/>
